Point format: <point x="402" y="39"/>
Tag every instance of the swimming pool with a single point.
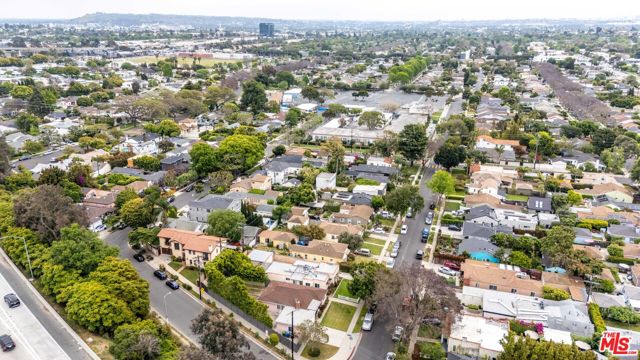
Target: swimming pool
<point x="483" y="256"/>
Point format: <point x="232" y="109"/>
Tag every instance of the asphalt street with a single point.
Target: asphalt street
<point x="37" y="333"/>
<point x="178" y="306"/>
<point x="377" y="342"/>
<point x="39" y="159"/>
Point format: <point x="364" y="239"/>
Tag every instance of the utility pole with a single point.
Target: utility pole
<point x="199" y="282"/>
<point x="292" y="310"/>
<point x="26" y="250"/>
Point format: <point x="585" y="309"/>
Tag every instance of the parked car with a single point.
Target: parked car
<point x="432" y="206"/>
<point x="445" y="270"/>
<point x="432" y="321"/>
<point x="189" y="188"/>
<point x="121" y="226"/>
<point x="390" y="264"/>
<point x="410" y="213"/>
<point x="171" y="199"/>
<point x="419" y="254"/>
<point x="378" y="230"/>
<point x="452" y="265"/>
<point x="398" y="331"/>
<point x="394" y="252"/>
<point x="100" y="227"/>
<point x="372" y="309"/>
<point x="363" y="252"/>
<point x="428" y="220"/>
<point x="425" y="233"/>
<point x="404" y="229"/>
<point x="390" y="356"/>
<point x="7" y="343"/>
<point x="454" y="227"/>
<point x="12" y="300"/>
<point x="386" y="214"/>
<point x="139" y="257"/>
<point x="172" y="284"/>
<point x="367" y="323"/>
<point x="160" y="274"/>
<point x="398" y="243"/>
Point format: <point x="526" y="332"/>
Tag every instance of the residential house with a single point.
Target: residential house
<point x="145" y="144"/>
<point x="613" y="191"/>
<point x="282" y="324"/>
<point x="477" y="337"/>
<point x="635" y="274"/>
<point x="280" y="168"/>
<point x="299" y="217"/>
<point x="301" y="272"/>
<point x="334" y="230"/>
<point x="482" y="214"/>
<point x="195" y="249"/>
<point x="539" y="205"/>
<point x="379" y="161"/>
<point x="628" y="233"/>
<point x="97" y="205"/>
<point x="176" y="163"/>
<point x="326" y="181"/>
<point x="387" y="171"/>
<point x="199" y="210"/>
<point x="631" y="251"/>
<point x="256" y="181"/>
<point x="488" y="200"/>
<point x="279" y="295"/>
<point x="485" y="142"/>
<point x="371" y="190"/>
<point x="261" y="258"/>
<point x="278" y="239"/>
<point x="321" y="251"/>
<point x="353" y="214"/>
<point x="351" y="198"/>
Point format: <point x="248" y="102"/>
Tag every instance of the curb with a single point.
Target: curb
<point x="54" y="313"/>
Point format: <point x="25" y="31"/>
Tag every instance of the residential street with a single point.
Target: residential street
<point x="37" y="332"/>
<point x="181" y="307"/>
<point x="377" y="342"/>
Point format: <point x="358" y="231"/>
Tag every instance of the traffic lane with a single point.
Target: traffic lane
<point x="377" y="342"/>
<point x="50" y="324"/>
<point x="40" y="159"/>
<point x="31" y="338"/>
<point x="180" y="308"/>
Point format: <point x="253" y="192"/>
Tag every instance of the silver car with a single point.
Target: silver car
<point x="367" y="323"/>
<point x="394" y="252"/>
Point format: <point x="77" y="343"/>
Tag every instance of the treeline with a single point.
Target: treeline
<point x="406" y="72"/>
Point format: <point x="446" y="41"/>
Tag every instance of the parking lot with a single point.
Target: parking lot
<point x="31" y="338"/>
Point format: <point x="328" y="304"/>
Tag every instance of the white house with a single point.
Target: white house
<point x="326" y="181"/>
<point x="477" y="337"/>
<point x="487" y="142"/>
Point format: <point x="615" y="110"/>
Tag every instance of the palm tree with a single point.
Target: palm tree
<point x="499" y="150"/>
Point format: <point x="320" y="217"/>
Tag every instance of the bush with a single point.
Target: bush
<point x="596" y="318"/>
<point x="274" y="339"/>
<point x="620" y="260"/>
<point x="551" y="293"/>
<point x="314" y="351"/>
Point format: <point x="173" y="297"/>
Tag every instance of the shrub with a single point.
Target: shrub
<point x="314" y="351"/>
<point x="274" y="339"/>
<point x="596" y="318"/>
<point x="551" y="293"/>
<point x="620" y="260"/>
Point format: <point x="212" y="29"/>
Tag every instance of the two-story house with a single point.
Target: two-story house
<point x="194" y="248"/>
<point x="199" y="210"/>
<point x="353" y="214"/>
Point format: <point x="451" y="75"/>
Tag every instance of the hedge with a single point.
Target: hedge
<point x="596" y="318"/>
<point x="455" y="197"/>
<point x="620" y="260"/>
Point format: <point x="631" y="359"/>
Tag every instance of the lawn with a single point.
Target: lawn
<point x="386" y="222"/>
<point x="358" y="327"/>
<point x="375" y="249"/>
<point x="257" y="191"/>
<point x="181" y="60"/>
<point x="338" y="316"/>
<point x="375" y="241"/>
<point x="175" y="265"/>
<point x="409" y="170"/>
<point x="451" y="206"/>
<point x="190" y="274"/>
<point x="620" y="325"/>
<point x="326" y="352"/>
<point x="343" y="289"/>
<point x="514" y="197"/>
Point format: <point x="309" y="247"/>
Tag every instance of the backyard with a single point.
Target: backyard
<point x="375" y="249"/>
<point x="338" y="316"/>
<point x="514" y="197"/>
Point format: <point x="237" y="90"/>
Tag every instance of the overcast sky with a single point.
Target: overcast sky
<point x="410" y="10"/>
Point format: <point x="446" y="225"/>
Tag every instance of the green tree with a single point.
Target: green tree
<point x="293" y="117"/>
<point x="32" y="147"/>
<point x="603" y="138"/>
<point x="312" y="231"/>
<point x="137" y="213"/>
<point x="55" y="278"/>
<point x="413" y="142"/>
<point x="124" y="282"/>
<point x="442" y="183"/>
<point x="219" y="335"/>
<point x="526" y="348"/>
<point x="310" y="93"/>
<point x="354" y="241"/>
<point x="622" y="314"/>
<point x="22" y="92"/>
<point x="254" y="97"/>
<point x="615" y="250"/>
<point x="166" y="127"/>
<point x="80" y="249"/>
<point x="312" y="333"/>
<point x="141" y="237"/>
<point x="94" y="307"/>
<point x="551" y="293"/>
<point x="450" y="155"/>
<point x="279" y="150"/>
<point x="5" y="155"/>
<point x="335" y="151"/>
<point x="521" y="259"/>
<point x="142" y="340"/>
<point x="124" y="196"/>
<point x="400" y="199"/>
<point x="239" y="152"/>
<point x="574" y="198"/>
<point x="203" y="158"/>
<point x="216" y="96"/>
<point x="232" y="263"/>
<point x="226" y="224"/>
<point x="305" y="193"/>
<point x="25" y="122"/>
<point x="147" y="163"/>
<point x="364" y="275"/>
<point x="371" y="119"/>
<point x="377" y="202"/>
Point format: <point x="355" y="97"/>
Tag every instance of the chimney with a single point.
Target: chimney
<point x="297" y="306"/>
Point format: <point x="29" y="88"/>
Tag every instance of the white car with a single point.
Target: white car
<point x="445" y="270"/>
<point x="390" y="264"/>
<point x="367" y="323"/>
<point x="378" y="230"/>
<point x="390" y="356"/>
<point x="99" y="228"/>
<point x="394" y="252"/>
<point x="404" y="229"/>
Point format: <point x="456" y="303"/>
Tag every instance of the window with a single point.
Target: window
<point x="533" y="294"/>
<point x="513" y="291"/>
<point x="280" y="307"/>
<point x="317" y="286"/>
<point x="493" y="287"/>
<point x="176" y="246"/>
<point x="308" y="284"/>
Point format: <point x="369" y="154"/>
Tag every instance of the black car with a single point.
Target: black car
<point x="419" y="254"/>
<point x="432" y="206"/>
<point x="189" y="188"/>
<point x="454" y="227"/>
<point x="171" y="199"/>
<point x="160" y="274"/>
<point x="120" y="226"/>
<point x="139" y="257"/>
<point x="7" y="343"/>
<point x="172" y="284"/>
<point x="12" y="300"/>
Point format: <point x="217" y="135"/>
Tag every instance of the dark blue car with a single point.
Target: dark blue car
<point x="172" y="284"/>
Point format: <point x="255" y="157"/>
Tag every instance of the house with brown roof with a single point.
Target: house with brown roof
<point x="592" y="251"/>
<point x="194" y="248"/>
<point x="490" y="200"/>
<point x="631" y="251"/>
<point x="488" y="142"/>
<point x="334" y="230"/>
<point x="277" y="295"/>
<point x="138" y="186"/>
<point x="353" y="214"/>
<point x="613" y="191"/>
<point x="97" y="204"/>
<point x="258" y="182"/>
<point x="321" y="251"/>
<point x="299" y="217"/>
<point x="275" y="238"/>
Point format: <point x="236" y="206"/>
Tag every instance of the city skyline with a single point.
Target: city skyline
<point x="403" y="10"/>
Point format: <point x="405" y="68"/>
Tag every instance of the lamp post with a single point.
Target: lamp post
<point x="199" y="282"/>
<point x="24" y="241"/>
<point x="166" y="313"/>
<point x="292" y="310"/>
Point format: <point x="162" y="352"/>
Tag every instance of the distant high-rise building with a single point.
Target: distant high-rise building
<point x="266" y="29"/>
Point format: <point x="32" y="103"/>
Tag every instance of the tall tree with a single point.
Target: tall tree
<point x="203" y="158"/>
<point x="226" y="223"/>
<point x="312" y="333"/>
<point x="216" y="96"/>
<point x="371" y="119"/>
<point x="400" y="199"/>
<point x="526" y="348"/>
<point x="450" y="155"/>
<point x="335" y="151"/>
<point x="254" y="97"/>
<point x="441" y="183"/>
<point x="239" y="152"/>
<point x="413" y="142"/>
<point x="5" y="155"/>
<point x="220" y="335"/>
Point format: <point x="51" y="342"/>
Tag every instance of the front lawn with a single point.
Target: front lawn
<point x="619" y="325"/>
<point x="358" y="327"/>
<point x="338" y="316"/>
<point x="343" y="289"/>
<point x="514" y="197"/>
<point x="175" y="265"/>
<point x="451" y="206"/>
<point x="326" y="352"/>
<point x="190" y="274"/>
<point x="375" y="249"/>
<point x="375" y="241"/>
<point x="257" y="191"/>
